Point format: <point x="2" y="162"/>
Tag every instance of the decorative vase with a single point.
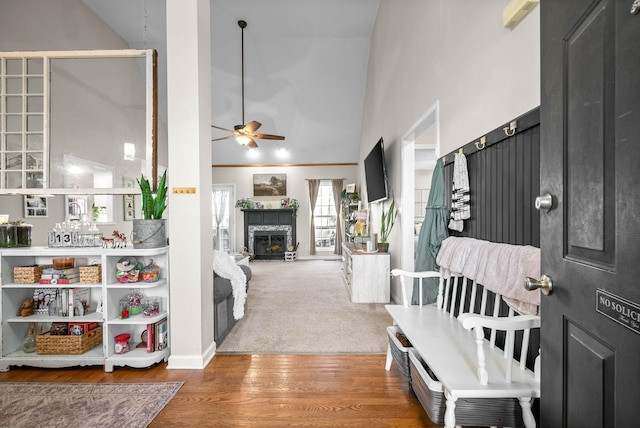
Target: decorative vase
<point x="149" y="233"/>
<point x="383" y="247"/>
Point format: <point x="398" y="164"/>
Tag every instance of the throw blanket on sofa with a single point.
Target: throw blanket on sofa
<point x="227" y="268"/>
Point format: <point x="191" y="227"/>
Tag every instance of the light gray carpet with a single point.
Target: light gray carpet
<point x="304" y="307"/>
<point x="83" y="405"/>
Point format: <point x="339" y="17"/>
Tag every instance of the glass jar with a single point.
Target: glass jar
<point x="135" y="302"/>
<point x="150" y="273"/>
<point x="122" y="343"/>
<point x="150" y="306"/>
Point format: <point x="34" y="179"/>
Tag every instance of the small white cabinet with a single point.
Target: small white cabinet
<point x="366" y="274"/>
<point x="104" y="295"/>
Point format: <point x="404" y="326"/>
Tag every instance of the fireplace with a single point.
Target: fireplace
<point x="269" y="245"/>
<point x="269" y="233"/>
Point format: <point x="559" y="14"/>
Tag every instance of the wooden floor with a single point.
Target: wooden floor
<point x="268" y="390"/>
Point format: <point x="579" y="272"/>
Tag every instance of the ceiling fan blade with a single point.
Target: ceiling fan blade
<point x="252" y="143"/>
<point x="221" y="128"/>
<point x="252" y="126"/>
<point x="268" y="137"/>
<point x="224" y="138"/>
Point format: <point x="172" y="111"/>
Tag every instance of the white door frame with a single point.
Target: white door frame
<point x="430" y="118"/>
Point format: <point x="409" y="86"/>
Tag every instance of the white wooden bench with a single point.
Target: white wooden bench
<point x="452" y="343"/>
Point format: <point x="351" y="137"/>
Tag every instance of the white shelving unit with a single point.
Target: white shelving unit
<point x="108" y="292"/>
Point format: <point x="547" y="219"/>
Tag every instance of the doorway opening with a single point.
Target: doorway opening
<point x="420" y="152"/>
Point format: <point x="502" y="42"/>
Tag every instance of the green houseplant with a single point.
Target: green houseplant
<point x="387" y="220"/>
<point x="150" y="231"/>
<point x="153" y="206"/>
<point x="245" y="204"/>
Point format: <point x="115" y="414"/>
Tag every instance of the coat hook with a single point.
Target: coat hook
<point x="511" y="129"/>
<point x="482" y="143"/>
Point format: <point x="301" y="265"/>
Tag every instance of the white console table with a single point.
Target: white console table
<point x="366" y="274"/>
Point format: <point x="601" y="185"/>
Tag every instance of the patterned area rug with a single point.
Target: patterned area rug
<point x="69" y="405"/>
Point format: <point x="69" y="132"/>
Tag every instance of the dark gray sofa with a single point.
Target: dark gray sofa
<point x="223" y="305"/>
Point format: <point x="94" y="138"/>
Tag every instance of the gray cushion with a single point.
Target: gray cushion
<point x="222" y="286"/>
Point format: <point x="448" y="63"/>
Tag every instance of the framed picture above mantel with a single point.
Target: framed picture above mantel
<point x="269" y="184"/>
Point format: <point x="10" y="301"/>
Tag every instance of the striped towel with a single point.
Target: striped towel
<point x="460" y="201"/>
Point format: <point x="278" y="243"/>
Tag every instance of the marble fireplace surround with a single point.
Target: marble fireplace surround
<point x="251" y="230"/>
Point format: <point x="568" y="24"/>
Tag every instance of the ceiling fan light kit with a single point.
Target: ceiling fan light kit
<point x="245" y="134"/>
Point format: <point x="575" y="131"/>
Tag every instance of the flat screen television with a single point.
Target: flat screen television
<point x="375" y="172"/>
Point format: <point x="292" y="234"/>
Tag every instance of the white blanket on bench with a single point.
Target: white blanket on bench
<point x="225" y="267"/>
<point x="501" y="268"/>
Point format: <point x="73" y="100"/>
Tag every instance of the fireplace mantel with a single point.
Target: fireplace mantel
<point x="269" y="222"/>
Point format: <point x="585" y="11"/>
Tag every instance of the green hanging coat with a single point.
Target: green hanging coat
<point x="432" y="233"/>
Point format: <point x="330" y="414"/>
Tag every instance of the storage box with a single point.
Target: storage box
<point x="91" y="274"/>
<point x="64" y="263"/>
<point x="399" y="353"/>
<point x="48" y="344"/>
<point x="28" y="274"/>
<point x="503" y="412"/>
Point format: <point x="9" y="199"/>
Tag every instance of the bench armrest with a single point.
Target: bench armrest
<point x="521" y="322"/>
<point x="509" y="324"/>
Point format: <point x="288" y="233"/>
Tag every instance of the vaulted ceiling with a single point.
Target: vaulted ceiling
<point x="305" y="71"/>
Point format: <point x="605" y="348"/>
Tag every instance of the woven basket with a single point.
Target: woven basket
<point x="91" y="274"/>
<point x="399" y="353"/>
<point x="28" y="274"/>
<point x="70" y="345"/>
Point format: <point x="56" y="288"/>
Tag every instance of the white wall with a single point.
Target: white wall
<point x="456" y="52"/>
<point x="296" y="188"/>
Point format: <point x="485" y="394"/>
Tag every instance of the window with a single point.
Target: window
<point x="325" y="216"/>
<point x="223" y="217"/>
<point x="22" y="123"/>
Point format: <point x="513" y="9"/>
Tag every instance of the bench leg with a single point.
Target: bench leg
<point x="450" y="412"/>
<point x="527" y="414"/>
<point x="387" y="366"/>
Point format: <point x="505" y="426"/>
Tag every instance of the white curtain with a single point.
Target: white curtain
<point x="220" y="202"/>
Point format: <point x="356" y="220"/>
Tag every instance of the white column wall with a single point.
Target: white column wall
<point x="190" y="232"/>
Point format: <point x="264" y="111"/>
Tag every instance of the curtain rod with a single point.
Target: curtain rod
<point x="307" y="179"/>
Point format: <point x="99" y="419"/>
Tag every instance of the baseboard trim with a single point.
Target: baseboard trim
<point x="192" y="362"/>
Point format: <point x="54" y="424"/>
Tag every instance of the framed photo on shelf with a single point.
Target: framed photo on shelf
<point x="269" y="184"/>
<point x="129" y="201"/>
<point x="351" y="188"/>
<point x="35" y="206"/>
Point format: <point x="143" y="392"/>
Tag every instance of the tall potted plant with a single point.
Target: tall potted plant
<point x="150" y="231"/>
<point x="388" y="219"/>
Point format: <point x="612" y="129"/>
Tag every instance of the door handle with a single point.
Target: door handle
<point x="545" y="284"/>
<point x="545" y="202"/>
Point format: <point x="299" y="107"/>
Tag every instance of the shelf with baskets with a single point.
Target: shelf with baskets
<point x="94" y="347"/>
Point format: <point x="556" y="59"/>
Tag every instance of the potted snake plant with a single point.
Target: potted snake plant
<point x="150" y="231"/>
<point x="388" y="219"/>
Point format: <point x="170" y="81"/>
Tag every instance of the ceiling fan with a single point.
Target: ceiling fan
<point x="245" y="134"/>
